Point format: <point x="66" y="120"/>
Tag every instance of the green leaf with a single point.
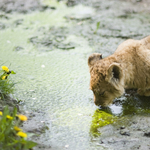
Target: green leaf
<point x="14" y="112"/>
<point x="12" y="72"/>
<point x="2" y="137"/>
<point x="98" y="24"/>
<point x="30" y="144"/>
<point x="97" y="27"/>
<point x="1" y="71"/>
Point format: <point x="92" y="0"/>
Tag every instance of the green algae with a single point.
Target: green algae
<point x="100" y="119"/>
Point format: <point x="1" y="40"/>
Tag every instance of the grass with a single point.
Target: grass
<point x="6" y="85"/>
<point x="12" y="136"/>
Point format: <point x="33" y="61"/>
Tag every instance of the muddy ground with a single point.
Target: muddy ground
<point x="113" y="22"/>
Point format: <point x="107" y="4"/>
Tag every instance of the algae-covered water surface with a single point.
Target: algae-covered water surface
<point x="48" y="50"/>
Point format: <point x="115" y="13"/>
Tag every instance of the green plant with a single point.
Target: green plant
<point x="11" y="136"/>
<point x="6" y="85"/>
<point x="97" y="27"/>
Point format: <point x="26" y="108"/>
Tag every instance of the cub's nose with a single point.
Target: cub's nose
<point x="96" y="103"/>
<point x="100" y="104"/>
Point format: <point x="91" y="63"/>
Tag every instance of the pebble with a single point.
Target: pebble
<point x="125" y="132"/>
<point x="147" y="134"/>
<point x="122" y="127"/>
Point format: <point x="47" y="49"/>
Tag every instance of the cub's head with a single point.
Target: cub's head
<point x="106" y="79"/>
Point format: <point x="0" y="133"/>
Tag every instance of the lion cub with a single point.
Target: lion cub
<point x="127" y="68"/>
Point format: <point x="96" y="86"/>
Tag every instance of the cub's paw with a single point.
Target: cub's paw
<point x="140" y="92"/>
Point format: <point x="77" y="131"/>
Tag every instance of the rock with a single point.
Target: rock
<point x="122" y="127"/>
<point x="78" y="17"/>
<point x="125" y="132"/>
<point x="66" y="46"/>
<point x="18" y="48"/>
<point x="147" y="134"/>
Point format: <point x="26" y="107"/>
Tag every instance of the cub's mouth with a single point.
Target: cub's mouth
<point x="103" y="105"/>
<point x="97" y="103"/>
<point x="103" y="102"/>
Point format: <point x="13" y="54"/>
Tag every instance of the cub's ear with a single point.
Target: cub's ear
<point x="93" y="58"/>
<point x="114" y="74"/>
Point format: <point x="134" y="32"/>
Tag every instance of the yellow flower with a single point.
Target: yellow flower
<point x="9" y="117"/>
<point x="1" y="113"/>
<point x="3" y="77"/>
<point x="22" y="117"/>
<point x="17" y="128"/>
<point x="5" y="68"/>
<point x="22" y="134"/>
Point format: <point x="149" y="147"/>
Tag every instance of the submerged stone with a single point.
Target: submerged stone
<point x="66" y="46"/>
<point x="52" y="38"/>
<point x="18" y="48"/>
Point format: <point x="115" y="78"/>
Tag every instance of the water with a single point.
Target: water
<point x="56" y="81"/>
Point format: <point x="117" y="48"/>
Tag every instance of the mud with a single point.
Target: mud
<point x="52" y="39"/>
<point x="48" y="45"/>
<point x="38" y="127"/>
<point x="9" y="101"/>
<point x="131" y="135"/>
<point x="20" y="6"/>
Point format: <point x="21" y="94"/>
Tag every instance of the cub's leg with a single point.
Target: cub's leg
<point x="145" y="92"/>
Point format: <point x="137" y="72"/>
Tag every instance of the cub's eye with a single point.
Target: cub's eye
<point x="102" y="94"/>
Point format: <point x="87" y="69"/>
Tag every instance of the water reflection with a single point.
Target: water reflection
<point x="129" y="104"/>
<point x="134" y="104"/>
<point x="100" y="119"/>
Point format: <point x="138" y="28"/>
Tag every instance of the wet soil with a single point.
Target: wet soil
<point x="9" y="101"/>
<point x="52" y="38"/>
<point x="131" y="135"/>
<point x="20" y="6"/>
<point x="104" y="25"/>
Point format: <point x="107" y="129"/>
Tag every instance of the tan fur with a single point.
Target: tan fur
<point x="127" y="68"/>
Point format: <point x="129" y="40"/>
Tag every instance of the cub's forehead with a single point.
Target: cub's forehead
<point x="99" y="67"/>
<point x="97" y="70"/>
<point x="97" y="78"/>
<point x="97" y="75"/>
